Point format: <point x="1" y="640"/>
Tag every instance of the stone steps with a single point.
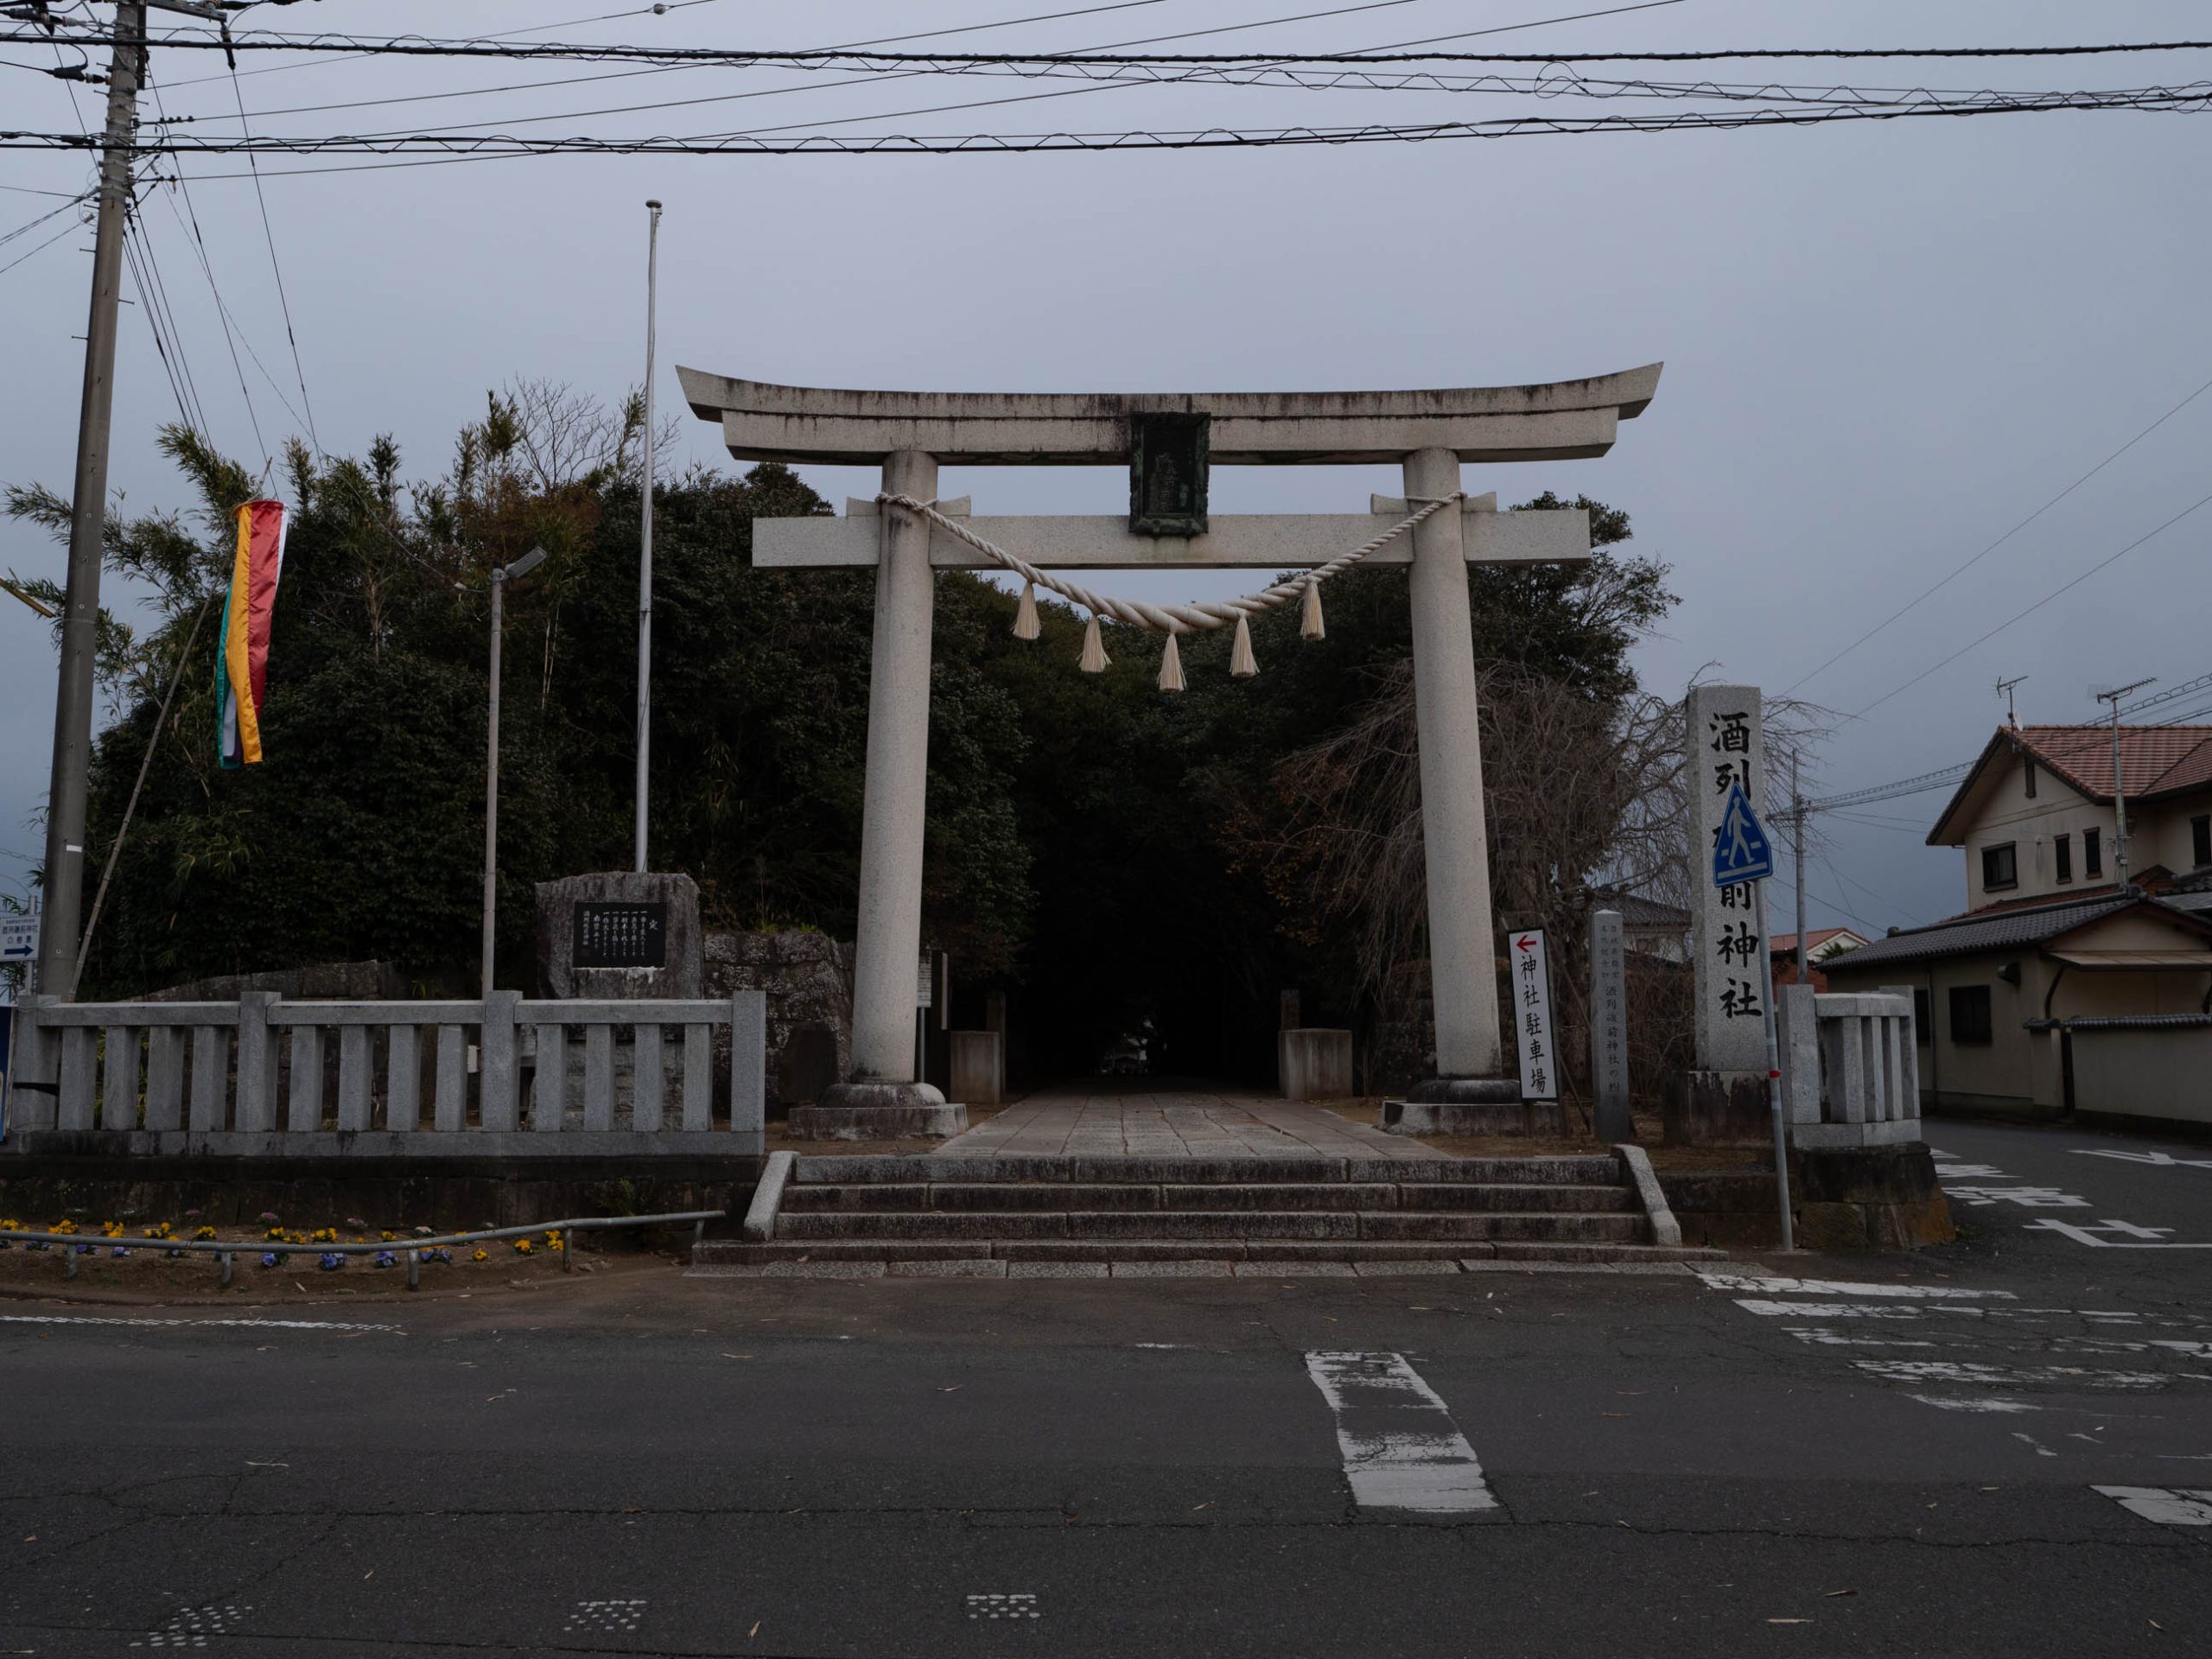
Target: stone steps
<point x="1179" y="1224"/>
<point x="730" y="1258"/>
<point x="1596" y="1169"/>
<point x="805" y="1199"/>
<point x="1024" y="1217"/>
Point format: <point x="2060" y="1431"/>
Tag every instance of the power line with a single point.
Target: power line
<point x="494" y="47"/>
<point x="283" y="301"/>
<point x="2005" y="537"/>
<point x="2169" y="100"/>
<point x="2021" y="616"/>
<point x="207" y="269"/>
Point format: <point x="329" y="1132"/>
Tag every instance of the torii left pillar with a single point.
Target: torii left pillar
<point x="884" y="1099"/>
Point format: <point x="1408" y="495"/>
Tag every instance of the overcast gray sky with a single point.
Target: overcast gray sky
<point x="1887" y="343"/>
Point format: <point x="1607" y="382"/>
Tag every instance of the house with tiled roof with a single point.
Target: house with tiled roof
<point x="2036" y="817"/>
<point x="2058" y="991"/>
<point x="1822" y="942"/>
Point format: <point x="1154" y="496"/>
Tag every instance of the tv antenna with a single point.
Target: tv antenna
<point x="2005" y="690"/>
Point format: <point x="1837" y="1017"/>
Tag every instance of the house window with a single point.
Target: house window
<point x="2032" y="780"/>
<point x="1999" y="867"/>
<point x="1923" y="1021"/>
<point x="2093" y="852"/>
<point x="1970" y="1013"/>
<point x="2062" y="853"/>
<point x="2200" y="839"/>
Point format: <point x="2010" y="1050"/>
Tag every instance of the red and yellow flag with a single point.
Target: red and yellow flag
<point x="241" y="669"/>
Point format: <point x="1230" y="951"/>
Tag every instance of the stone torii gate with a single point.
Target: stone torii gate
<point x="1429" y="434"/>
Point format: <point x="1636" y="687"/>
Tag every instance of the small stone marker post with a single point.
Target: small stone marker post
<point x="1609" y="1029"/>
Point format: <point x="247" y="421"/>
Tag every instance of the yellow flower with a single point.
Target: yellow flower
<point x="203" y="1232"/>
<point x="521" y="1247"/>
<point x="63" y="1226"/>
<point x="387" y="1237"/>
<point x="480" y="1255"/>
<point x="556" y="1245"/>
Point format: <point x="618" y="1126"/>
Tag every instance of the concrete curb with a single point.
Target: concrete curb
<point x="1665" y="1230"/>
<point x="768" y="1198"/>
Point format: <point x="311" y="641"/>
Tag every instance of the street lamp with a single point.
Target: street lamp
<point x="500" y="577"/>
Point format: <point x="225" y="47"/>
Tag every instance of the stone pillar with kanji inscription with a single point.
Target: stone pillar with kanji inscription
<point x="1723" y="1098"/>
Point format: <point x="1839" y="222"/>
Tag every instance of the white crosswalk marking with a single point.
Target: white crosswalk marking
<point x="2168" y="1506"/>
<point x="1765" y="1285"/>
<point x="1401" y="1448"/>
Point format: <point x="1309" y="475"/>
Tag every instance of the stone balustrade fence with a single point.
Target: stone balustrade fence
<point x="1850" y="1067"/>
<point x="503" y="1077"/>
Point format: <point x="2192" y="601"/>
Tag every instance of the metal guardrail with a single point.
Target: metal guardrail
<point x="226" y="1251"/>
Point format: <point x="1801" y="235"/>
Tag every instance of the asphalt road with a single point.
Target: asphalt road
<point x="1629" y="1464"/>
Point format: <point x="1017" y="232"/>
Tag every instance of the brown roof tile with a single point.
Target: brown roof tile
<point x="2156" y="759"/>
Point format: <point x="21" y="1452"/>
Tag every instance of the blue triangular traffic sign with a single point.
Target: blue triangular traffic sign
<point x="1741" y="851"/>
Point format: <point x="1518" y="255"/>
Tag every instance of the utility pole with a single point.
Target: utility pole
<point x="2118" y="783"/>
<point x="73" y="702"/>
<point x="1797" y="842"/>
<point x="645" y="544"/>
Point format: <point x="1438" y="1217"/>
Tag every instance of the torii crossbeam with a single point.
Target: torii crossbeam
<point x="1429" y="434"/>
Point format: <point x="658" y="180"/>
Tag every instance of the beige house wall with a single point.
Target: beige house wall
<point x="2146" y="1074"/>
<point x="2160" y="831"/>
<point x="2021" y="1072"/>
<point x="2009" y="815"/>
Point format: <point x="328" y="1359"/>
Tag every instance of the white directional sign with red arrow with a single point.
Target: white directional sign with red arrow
<point x="1532" y="1015"/>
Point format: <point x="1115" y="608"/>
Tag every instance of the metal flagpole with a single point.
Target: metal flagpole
<point x="645" y="545"/>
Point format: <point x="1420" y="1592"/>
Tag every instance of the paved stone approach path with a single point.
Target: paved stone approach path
<point x="1110" y="1117"/>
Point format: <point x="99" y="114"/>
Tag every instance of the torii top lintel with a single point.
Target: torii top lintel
<point x="1561" y="420"/>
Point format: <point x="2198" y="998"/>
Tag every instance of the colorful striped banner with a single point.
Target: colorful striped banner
<point x="242" y="667"/>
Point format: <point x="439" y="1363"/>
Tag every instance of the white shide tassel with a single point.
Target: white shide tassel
<point x="1095" y="659"/>
<point x="1243" y="665"/>
<point x="1026" y="626"/>
<point x="1310" y="626"/>
<point x="1171" y="667"/>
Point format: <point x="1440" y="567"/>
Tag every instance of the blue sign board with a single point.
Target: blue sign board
<point x="1741" y="851"/>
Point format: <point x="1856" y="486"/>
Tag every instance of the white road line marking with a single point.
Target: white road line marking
<point x="1401" y="1448"/>
<point x="2157" y="1159"/>
<point x="2130" y="1236"/>
<point x="1908" y="1311"/>
<point x="611" y="1616"/>
<point x="1759" y="1284"/>
<point x="1972" y="1403"/>
<point x="2174" y="1506"/>
<point x="1821" y="1336"/>
<point x="192" y="1627"/>
<point x="998" y="1606"/>
<point x="1956" y="1370"/>
<point x="2028" y="1197"/>
<point x="220" y="1325"/>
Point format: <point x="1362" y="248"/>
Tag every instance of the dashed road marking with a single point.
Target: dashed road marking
<point x="1002" y="1607"/>
<point x="193" y="1626"/>
<point x="2170" y="1506"/>
<point x="1971" y="1402"/>
<point x="612" y="1616"/>
<point x="1401" y="1448"/>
